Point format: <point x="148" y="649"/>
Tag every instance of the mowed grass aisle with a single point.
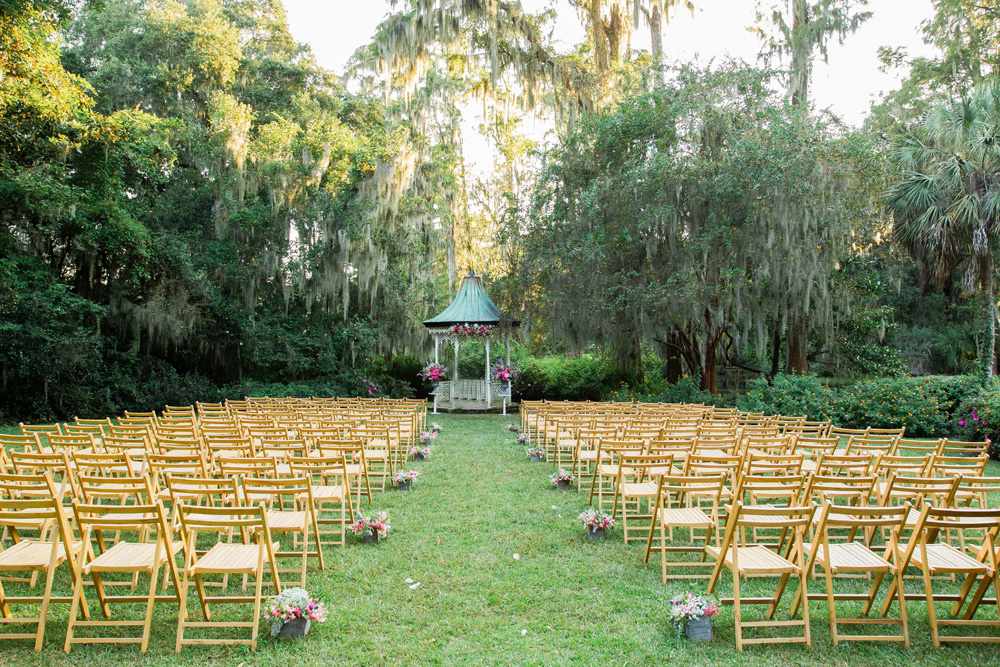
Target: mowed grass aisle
<point x="478" y="502"/>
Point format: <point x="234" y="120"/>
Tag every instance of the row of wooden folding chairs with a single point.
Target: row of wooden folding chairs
<point x="627" y="475"/>
<point x="805" y="545"/>
<point x="343" y="460"/>
<point x="33" y="502"/>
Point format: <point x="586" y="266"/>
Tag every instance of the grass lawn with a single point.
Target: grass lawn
<point x="478" y="502"/>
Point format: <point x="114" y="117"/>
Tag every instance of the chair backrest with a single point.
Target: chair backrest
<point x="960" y="448"/>
<point x="27" y="511"/>
<point x="204" y="492"/>
<point x="642" y="467"/>
<point x="684" y="491"/>
<point x="324" y="470"/>
<point x="844" y="466"/>
<point x="179" y="465"/>
<point x="858" y="521"/>
<point x="856" y="490"/>
<point x="105" y="464"/>
<point x="885" y="465"/>
<point x="794" y="519"/>
<point x="815" y="446"/>
<point x="946" y="466"/>
<point x="910" y="447"/>
<point x="71" y="443"/>
<point x="871" y="445"/>
<point x="250" y="522"/>
<point x="771" y="487"/>
<point x="920" y="491"/>
<point x="698" y="464"/>
<point x="258" y="466"/>
<point x="56" y="464"/>
<point x="838" y="432"/>
<point x="283" y="448"/>
<point x="770" y="464"/>
<point x="286" y="491"/>
<point x="122" y="490"/>
<point x="20" y="442"/>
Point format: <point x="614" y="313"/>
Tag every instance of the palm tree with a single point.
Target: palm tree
<point x="947" y="203"/>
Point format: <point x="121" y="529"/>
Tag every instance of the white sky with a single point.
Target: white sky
<point x="847" y="85"/>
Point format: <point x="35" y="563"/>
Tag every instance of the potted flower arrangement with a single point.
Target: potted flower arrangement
<point x="536" y="453"/>
<point x="292" y="611"/>
<point x="435" y="427"/>
<point x="427" y="437"/>
<point x="562" y="478"/>
<point x="596" y="521"/>
<point x="522" y="439"/>
<point x="504" y="372"/>
<point x="693" y="614"/>
<point x="434" y="372"/>
<point x="403" y="479"/>
<point x="513" y="428"/>
<point x="372" y="526"/>
<point x="419" y="453"/>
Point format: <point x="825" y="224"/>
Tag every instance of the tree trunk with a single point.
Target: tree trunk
<point x="709" y="372"/>
<point x="675" y="367"/>
<point x="627" y="354"/>
<point x="798" y="344"/>
<point x="776" y="351"/>
<point x="798" y="85"/>
<point x="656" y="40"/>
<point x="987" y="352"/>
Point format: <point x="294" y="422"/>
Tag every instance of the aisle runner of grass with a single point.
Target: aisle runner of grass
<point x="477" y="503"/>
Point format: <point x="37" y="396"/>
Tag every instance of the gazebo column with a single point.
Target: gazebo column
<point x="508" y="348"/>
<point x="489" y="399"/>
<point x="456" y="344"/>
<point x="437" y="343"/>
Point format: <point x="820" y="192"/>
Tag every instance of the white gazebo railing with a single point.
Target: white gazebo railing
<point x="480" y="391"/>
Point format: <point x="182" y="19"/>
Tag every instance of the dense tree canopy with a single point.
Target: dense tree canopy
<point x="192" y="206"/>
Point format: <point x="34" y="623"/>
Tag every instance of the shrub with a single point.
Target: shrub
<point x="977" y="418"/>
<point x="685" y="390"/>
<point x="584" y="378"/>
<point x="922" y="406"/>
<point x="790" y="395"/>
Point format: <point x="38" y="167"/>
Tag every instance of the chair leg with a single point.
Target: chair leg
<point x="149" y="607"/>
<point x="43" y="612"/>
<point x="73" y="610"/>
<point x="737" y="612"/>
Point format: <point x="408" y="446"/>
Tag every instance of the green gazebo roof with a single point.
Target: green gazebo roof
<point x="472" y="305"/>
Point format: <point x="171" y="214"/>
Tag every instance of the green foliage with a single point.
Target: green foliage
<point x="685" y="390"/>
<point x="584" y="378"/>
<point x="789" y="395"/>
<point x="922" y="406"/>
<point x="977" y="417"/>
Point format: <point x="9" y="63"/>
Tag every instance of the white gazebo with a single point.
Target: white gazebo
<point x="472" y="315"/>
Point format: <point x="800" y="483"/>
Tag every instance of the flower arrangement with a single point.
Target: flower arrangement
<point x="405" y="477"/>
<point x="536" y="452"/>
<point x="290" y="604"/>
<point x="596" y="519"/>
<point x="504" y="372"/>
<point x="522" y="439"/>
<point x="513" y="428"/>
<point x="472" y="329"/>
<point x="689" y="606"/>
<point x="420" y="453"/>
<point x="374" y="523"/>
<point x="562" y="477"/>
<point x="435" y="427"/>
<point x="433" y="372"/>
<point x="428" y="436"/>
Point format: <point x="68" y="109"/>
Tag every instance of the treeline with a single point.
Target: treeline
<point x="189" y="202"/>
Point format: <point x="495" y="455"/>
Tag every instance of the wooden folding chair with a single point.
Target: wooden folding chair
<point x="249" y="558"/>
<point x="606" y="470"/>
<point x="57" y="464"/>
<point x="681" y="503"/>
<point x="933" y="557"/>
<point x="36" y="555"/>
<point x="125" y="556"/>
<point x="585" y="455"/>
<point x="378" y="456"/>
<point x="842" y="554"/>
<point x="353" y="452"/>
<point x="330" y="487"/>
<point x="291" y="508"/>
<point x="746" y="560"/>
<point x="638" y="483"/>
